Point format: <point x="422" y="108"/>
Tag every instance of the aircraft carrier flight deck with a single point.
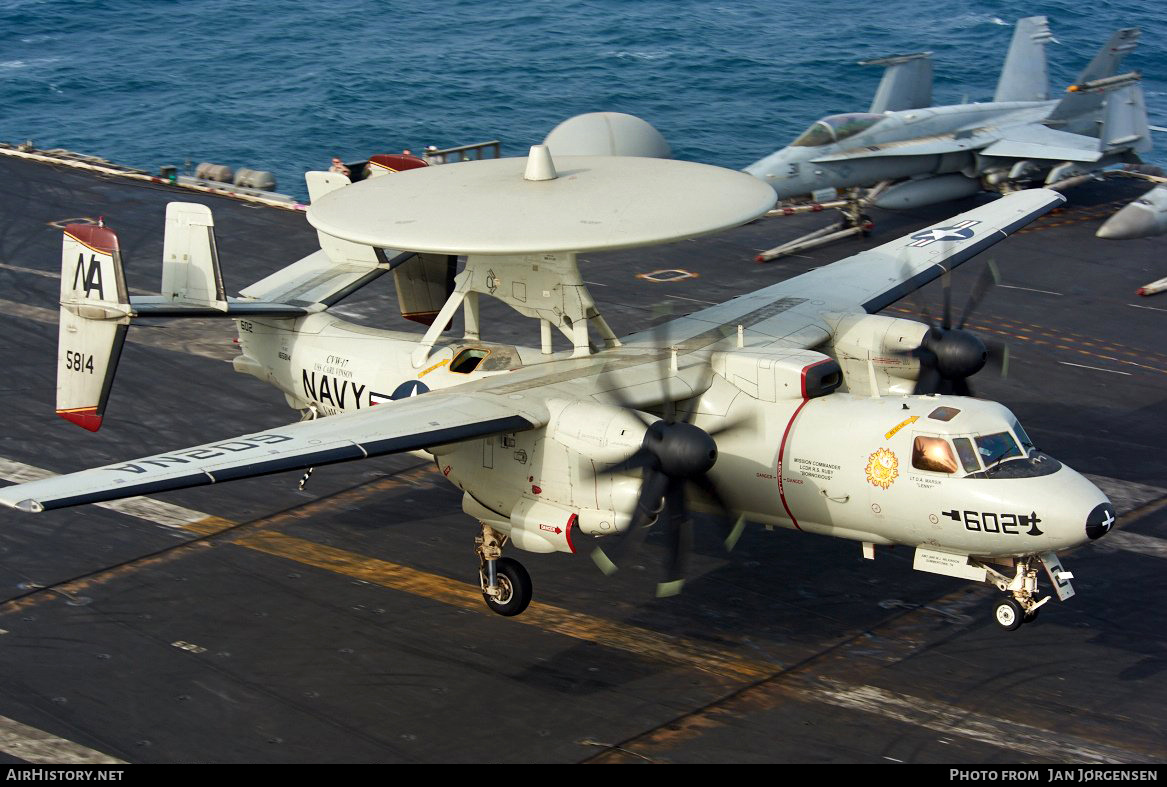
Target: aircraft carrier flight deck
<point x="253" y="622"/>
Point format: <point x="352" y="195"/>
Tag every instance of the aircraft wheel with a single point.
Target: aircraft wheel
<point x="514" y="585"/>
<point x="1031" y="615"/>
<point x="1009" y="614"/>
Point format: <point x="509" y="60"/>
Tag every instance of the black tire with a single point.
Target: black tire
<point x="1031" y="615"/>
<point x="1009" y="615"/>
<point x="514" y="586"/>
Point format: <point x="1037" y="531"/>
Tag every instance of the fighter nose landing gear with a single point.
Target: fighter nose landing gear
<point x="506" y="585"/>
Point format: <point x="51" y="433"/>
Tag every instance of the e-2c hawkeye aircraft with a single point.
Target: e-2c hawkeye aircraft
<point x="796" y="405"/>
<point x="927" y="154"/>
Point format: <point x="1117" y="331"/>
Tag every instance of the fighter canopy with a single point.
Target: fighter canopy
<point x="836" y="128"/>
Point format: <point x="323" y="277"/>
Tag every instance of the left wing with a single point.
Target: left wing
<point x="433" y="419"/>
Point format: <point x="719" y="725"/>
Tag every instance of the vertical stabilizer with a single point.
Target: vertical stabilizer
<point x="190" y="258"/>
<point x="1124" y="124"/>
<point x="1106" y="63"/>
<point x="906" y="83"/>
<point x="93" y="321"/>
<point x="1024" y="75"/>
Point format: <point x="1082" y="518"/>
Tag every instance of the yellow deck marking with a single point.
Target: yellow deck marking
<point x="633" y="639"/>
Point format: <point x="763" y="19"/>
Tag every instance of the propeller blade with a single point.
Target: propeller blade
<point x="998" y="356"/>
<point x="929" y="381"/>
<point x="989" y="277"/>
<point x="648" y="506"/>
<point x="946" y="280"/>
<point x="679" y="533"/>
<point x="730" y="533"/>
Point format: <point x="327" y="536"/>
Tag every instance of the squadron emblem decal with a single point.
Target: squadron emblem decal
<point x="882" y="468"/>
<point x="959" y="231"/>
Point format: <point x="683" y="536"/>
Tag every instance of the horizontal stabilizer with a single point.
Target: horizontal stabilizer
<point x="318" y="278"/>
<point x="1024" y="75"/>
<point x="233" y="308"/>
<point x="410" y="424"/>
<point x="1040" y="142"/>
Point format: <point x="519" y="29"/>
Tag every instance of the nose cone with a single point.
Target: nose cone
<point x="781" y="171"/>
<point x="1133" y="221"/>
<point x="1100" y="520"/>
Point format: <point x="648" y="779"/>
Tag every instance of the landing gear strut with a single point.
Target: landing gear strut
<point x="506" y="585"/>
<point x="1021" y="605"/>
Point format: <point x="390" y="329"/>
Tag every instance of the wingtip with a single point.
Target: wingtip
<point x="87" y="418"/>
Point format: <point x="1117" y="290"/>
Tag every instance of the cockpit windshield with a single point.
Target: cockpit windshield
<point x="836" y="128"/>
<point x="994" y="448"/>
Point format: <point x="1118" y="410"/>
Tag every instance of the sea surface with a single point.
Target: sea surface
<point x="283" y="86"/>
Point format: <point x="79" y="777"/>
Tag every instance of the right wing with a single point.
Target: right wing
<point x="433" y="419"/>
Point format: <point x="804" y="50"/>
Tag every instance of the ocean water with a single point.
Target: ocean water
<point x="283" y="86"/>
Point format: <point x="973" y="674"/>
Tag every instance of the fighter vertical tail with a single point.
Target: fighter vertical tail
<point x="906" y="83"/>
<point x="93" y="321"/>
<point x="1024" y="74"/>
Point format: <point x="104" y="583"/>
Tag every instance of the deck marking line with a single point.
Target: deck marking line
<point x="632" y="639"/>
<point x="1029" y="289"/>
<point x="1095" y="368"/>
<point x="1152" y="308"/>
<point x="39" y="747"/>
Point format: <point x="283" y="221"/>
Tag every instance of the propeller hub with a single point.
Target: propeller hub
<point x="959" y="353"/>
<point x="682" y="450"/>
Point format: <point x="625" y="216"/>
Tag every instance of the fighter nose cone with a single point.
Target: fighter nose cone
<point x="1100" y="521"/>
<point x="1133" y="221"/>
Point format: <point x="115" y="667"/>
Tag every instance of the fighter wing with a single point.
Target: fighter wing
<point x="410" y="424"/>
<point x="796" y="313"/>
<point x="1037" y="141"/>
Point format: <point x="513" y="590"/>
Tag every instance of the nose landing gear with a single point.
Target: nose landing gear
<point x="506" y="585"/>
<point x="1021" y="605"/>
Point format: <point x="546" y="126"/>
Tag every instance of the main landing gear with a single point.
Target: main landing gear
<point x="506" y="585"/>
<point x="1021" y="605"/>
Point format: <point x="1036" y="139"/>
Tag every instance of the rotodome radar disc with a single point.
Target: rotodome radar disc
<point x="588" y="203"/>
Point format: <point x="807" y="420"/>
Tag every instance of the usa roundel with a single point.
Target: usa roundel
<point x="409" y="388"/>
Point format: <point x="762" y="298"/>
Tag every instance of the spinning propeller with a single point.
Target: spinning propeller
<point x="674" y="453"/>
<point x="949" y="355"/>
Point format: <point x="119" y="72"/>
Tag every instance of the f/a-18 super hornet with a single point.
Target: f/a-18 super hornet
<point x="796" y="405"/>
<point x="914" y="153"/>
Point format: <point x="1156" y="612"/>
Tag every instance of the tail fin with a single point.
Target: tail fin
<point x="190" y="258"/>
<point x="93" y="321"/>
<point x="906" y="83"/>
<point x="1024" y="76"/>
<point x="1109" y="58"/>
<point x="1124" y="121"/>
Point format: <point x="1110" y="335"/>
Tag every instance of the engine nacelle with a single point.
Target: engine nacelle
<point x="602" y="433"/>
<point x="869" y="348"/>
<point x="773" y="375"/>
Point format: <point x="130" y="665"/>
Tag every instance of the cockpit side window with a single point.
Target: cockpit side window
<point x="968" y="454"/>
<point x="934" y="454"/>
<point x="1026" y="444"/>
<point x="995" y="447"/>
